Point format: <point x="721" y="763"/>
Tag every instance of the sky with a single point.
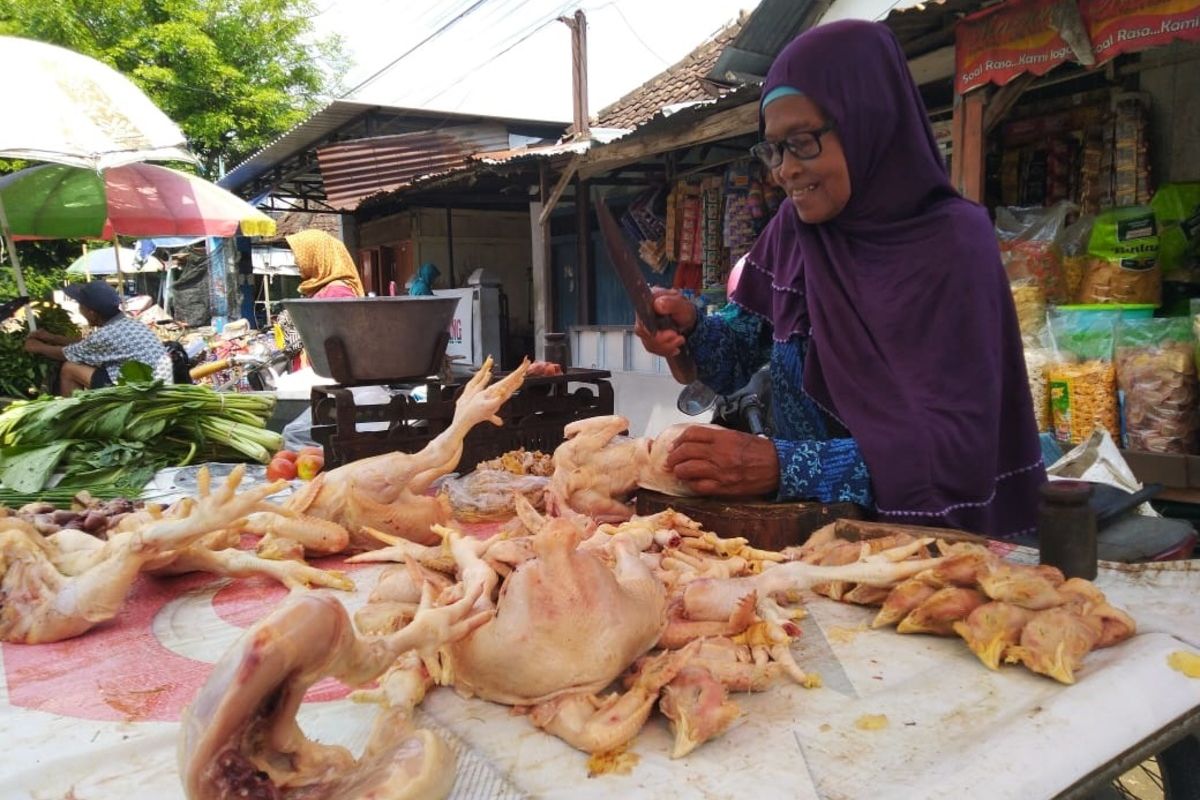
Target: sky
<point x="510" y="57"/>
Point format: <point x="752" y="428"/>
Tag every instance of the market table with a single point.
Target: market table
<point x="97" y="717"/>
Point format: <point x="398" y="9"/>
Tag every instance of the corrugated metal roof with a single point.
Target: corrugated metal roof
<point x="349" y="120"/>
<point x="773" y="24"/>
<point x="353" y="171"/>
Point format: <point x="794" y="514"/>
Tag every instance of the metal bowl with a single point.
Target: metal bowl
<point x="385" y="338"/>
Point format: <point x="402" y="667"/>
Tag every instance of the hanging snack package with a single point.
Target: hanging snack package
<point x="1177" y="212"/>
<point x="1030" y="245"/>
<point x="1156" y="372"/>
<point x="1123" y="259"/>
<point x="1075" y="255"/>
<point x="1082" y="376"/>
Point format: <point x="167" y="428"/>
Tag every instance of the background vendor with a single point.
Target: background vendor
<point x="326" y="267"/>
<point x="95" y="360"/>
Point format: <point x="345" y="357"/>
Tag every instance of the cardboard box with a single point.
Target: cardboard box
<point x="1172" y="471"/>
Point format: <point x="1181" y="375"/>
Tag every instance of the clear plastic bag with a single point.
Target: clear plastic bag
<point x="1075" y="255"/>
<point x="1156" y="371"/>
<point x="487" y="494"/>
<point x="1031" y="246"/>
<point x="1082" y="376"/>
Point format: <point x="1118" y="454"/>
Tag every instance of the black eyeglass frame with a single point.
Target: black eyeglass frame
<point x="775" y="149"/>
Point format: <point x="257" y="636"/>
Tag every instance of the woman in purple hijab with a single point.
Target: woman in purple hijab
<point x="878" y="299"/>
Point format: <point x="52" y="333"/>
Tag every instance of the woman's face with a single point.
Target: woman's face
<point x="819" y="187"/>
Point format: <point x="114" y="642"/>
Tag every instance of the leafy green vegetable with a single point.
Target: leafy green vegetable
<point x="120" y="435"/>
<point x="28" y="469"/>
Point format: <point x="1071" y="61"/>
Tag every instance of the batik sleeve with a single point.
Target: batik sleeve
<point x="729" y="347"/>
<point x="828" y="471"/>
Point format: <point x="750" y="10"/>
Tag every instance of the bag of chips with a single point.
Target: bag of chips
<point x="1030" y="240"/>
<point x="1156" y="372"/>
<point x="1123" y="259"/>
<point x="1075" y="254"/>
<point x="1177" y="212"/>
<point x="1082" y="376"/>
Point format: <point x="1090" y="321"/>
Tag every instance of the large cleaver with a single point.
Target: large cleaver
<point x="683" y="367"/>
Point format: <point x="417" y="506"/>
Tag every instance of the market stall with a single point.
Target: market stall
<point x="98" y="716"/>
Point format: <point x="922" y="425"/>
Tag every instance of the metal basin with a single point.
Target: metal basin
<point x="385" y="338"/>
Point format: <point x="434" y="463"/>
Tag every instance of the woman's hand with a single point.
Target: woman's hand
<point x="716" y="461"/>
<point x="666" y="342"/>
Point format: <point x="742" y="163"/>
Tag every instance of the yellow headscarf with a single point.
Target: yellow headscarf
<point x="322" y="259"/>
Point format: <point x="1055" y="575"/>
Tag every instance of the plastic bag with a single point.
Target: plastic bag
<point x="1156" y="371"/>
<point x="1177" y="212"/>
<point x="1037" y="363"/>
<point x="1075" y="254"/>
<point x="1195" y="306"/>
<point x="1123" y="259"/>
<point x="487" y="494"/>
<point x="1082" y="376"/>
<point x="1030" y="299"/>
<point x="1030" y="245"/>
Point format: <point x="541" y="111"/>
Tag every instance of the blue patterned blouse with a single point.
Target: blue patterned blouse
<point x="816" y="462"/>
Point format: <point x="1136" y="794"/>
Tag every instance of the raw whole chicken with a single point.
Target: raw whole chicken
<point x="240" y="737"/>
<point x="597" y="470"/>
<point x="62" y="585"/>
<point x="576" y="623"/>
<point x="388" y="493"/>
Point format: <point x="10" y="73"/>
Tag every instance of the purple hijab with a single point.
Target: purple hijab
<point x="913" y="338"/>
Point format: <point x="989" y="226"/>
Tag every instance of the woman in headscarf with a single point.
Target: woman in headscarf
<point x="326" y="268"/>
<point x="422" y="285"/>
<point x="878" y="298"/>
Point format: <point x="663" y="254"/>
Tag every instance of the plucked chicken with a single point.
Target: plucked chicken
<point x="41" y="601"/>
<point x="389" y="492"/>
<point x="240" y="737"/>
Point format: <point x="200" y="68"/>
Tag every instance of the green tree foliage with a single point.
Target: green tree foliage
<point x="233" y="74"/>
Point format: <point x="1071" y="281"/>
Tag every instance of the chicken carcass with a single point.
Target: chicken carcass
<point x="565" y="621"/>
<point x="240" y="737"/>
<point x="595" y="472"/>
<point x="388" y="492"/>
<point x="39" y="602"/>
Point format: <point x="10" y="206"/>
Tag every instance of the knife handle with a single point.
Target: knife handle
<point x="682" y="366"/>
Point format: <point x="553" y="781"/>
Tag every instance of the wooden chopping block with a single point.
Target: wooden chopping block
<point x="767" y="526"/>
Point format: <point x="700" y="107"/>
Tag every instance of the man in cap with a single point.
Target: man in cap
<point x="95" y="361"/>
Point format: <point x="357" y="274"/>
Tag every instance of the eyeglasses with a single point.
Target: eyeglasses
<point x="805" y="145"/>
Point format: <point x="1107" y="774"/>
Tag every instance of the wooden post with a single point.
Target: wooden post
<point x="967" y="169"/>
<point x="543" y="298"/>
<point x="583" y="226"/>
<point x="579" y="91"/>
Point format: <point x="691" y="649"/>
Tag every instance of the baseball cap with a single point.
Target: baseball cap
<point x="96" y="295"/>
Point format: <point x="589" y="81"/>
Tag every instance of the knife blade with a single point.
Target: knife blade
<point x="682" y="365"/>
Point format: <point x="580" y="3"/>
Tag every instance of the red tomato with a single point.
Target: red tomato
<point x="308" y="465"/>
<point x="281" y="468"/>
<point x="290" y="455"/>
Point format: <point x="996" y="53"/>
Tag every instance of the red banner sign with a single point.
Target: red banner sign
<point x="1127" y="26"/>
<point x="1002" y="42"/>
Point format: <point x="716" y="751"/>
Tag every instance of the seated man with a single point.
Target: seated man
<point x="95" y="361"/>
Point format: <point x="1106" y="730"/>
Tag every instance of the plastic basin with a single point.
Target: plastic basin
<point x="1128" y="310"/>
<point x="385" y="338"/>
